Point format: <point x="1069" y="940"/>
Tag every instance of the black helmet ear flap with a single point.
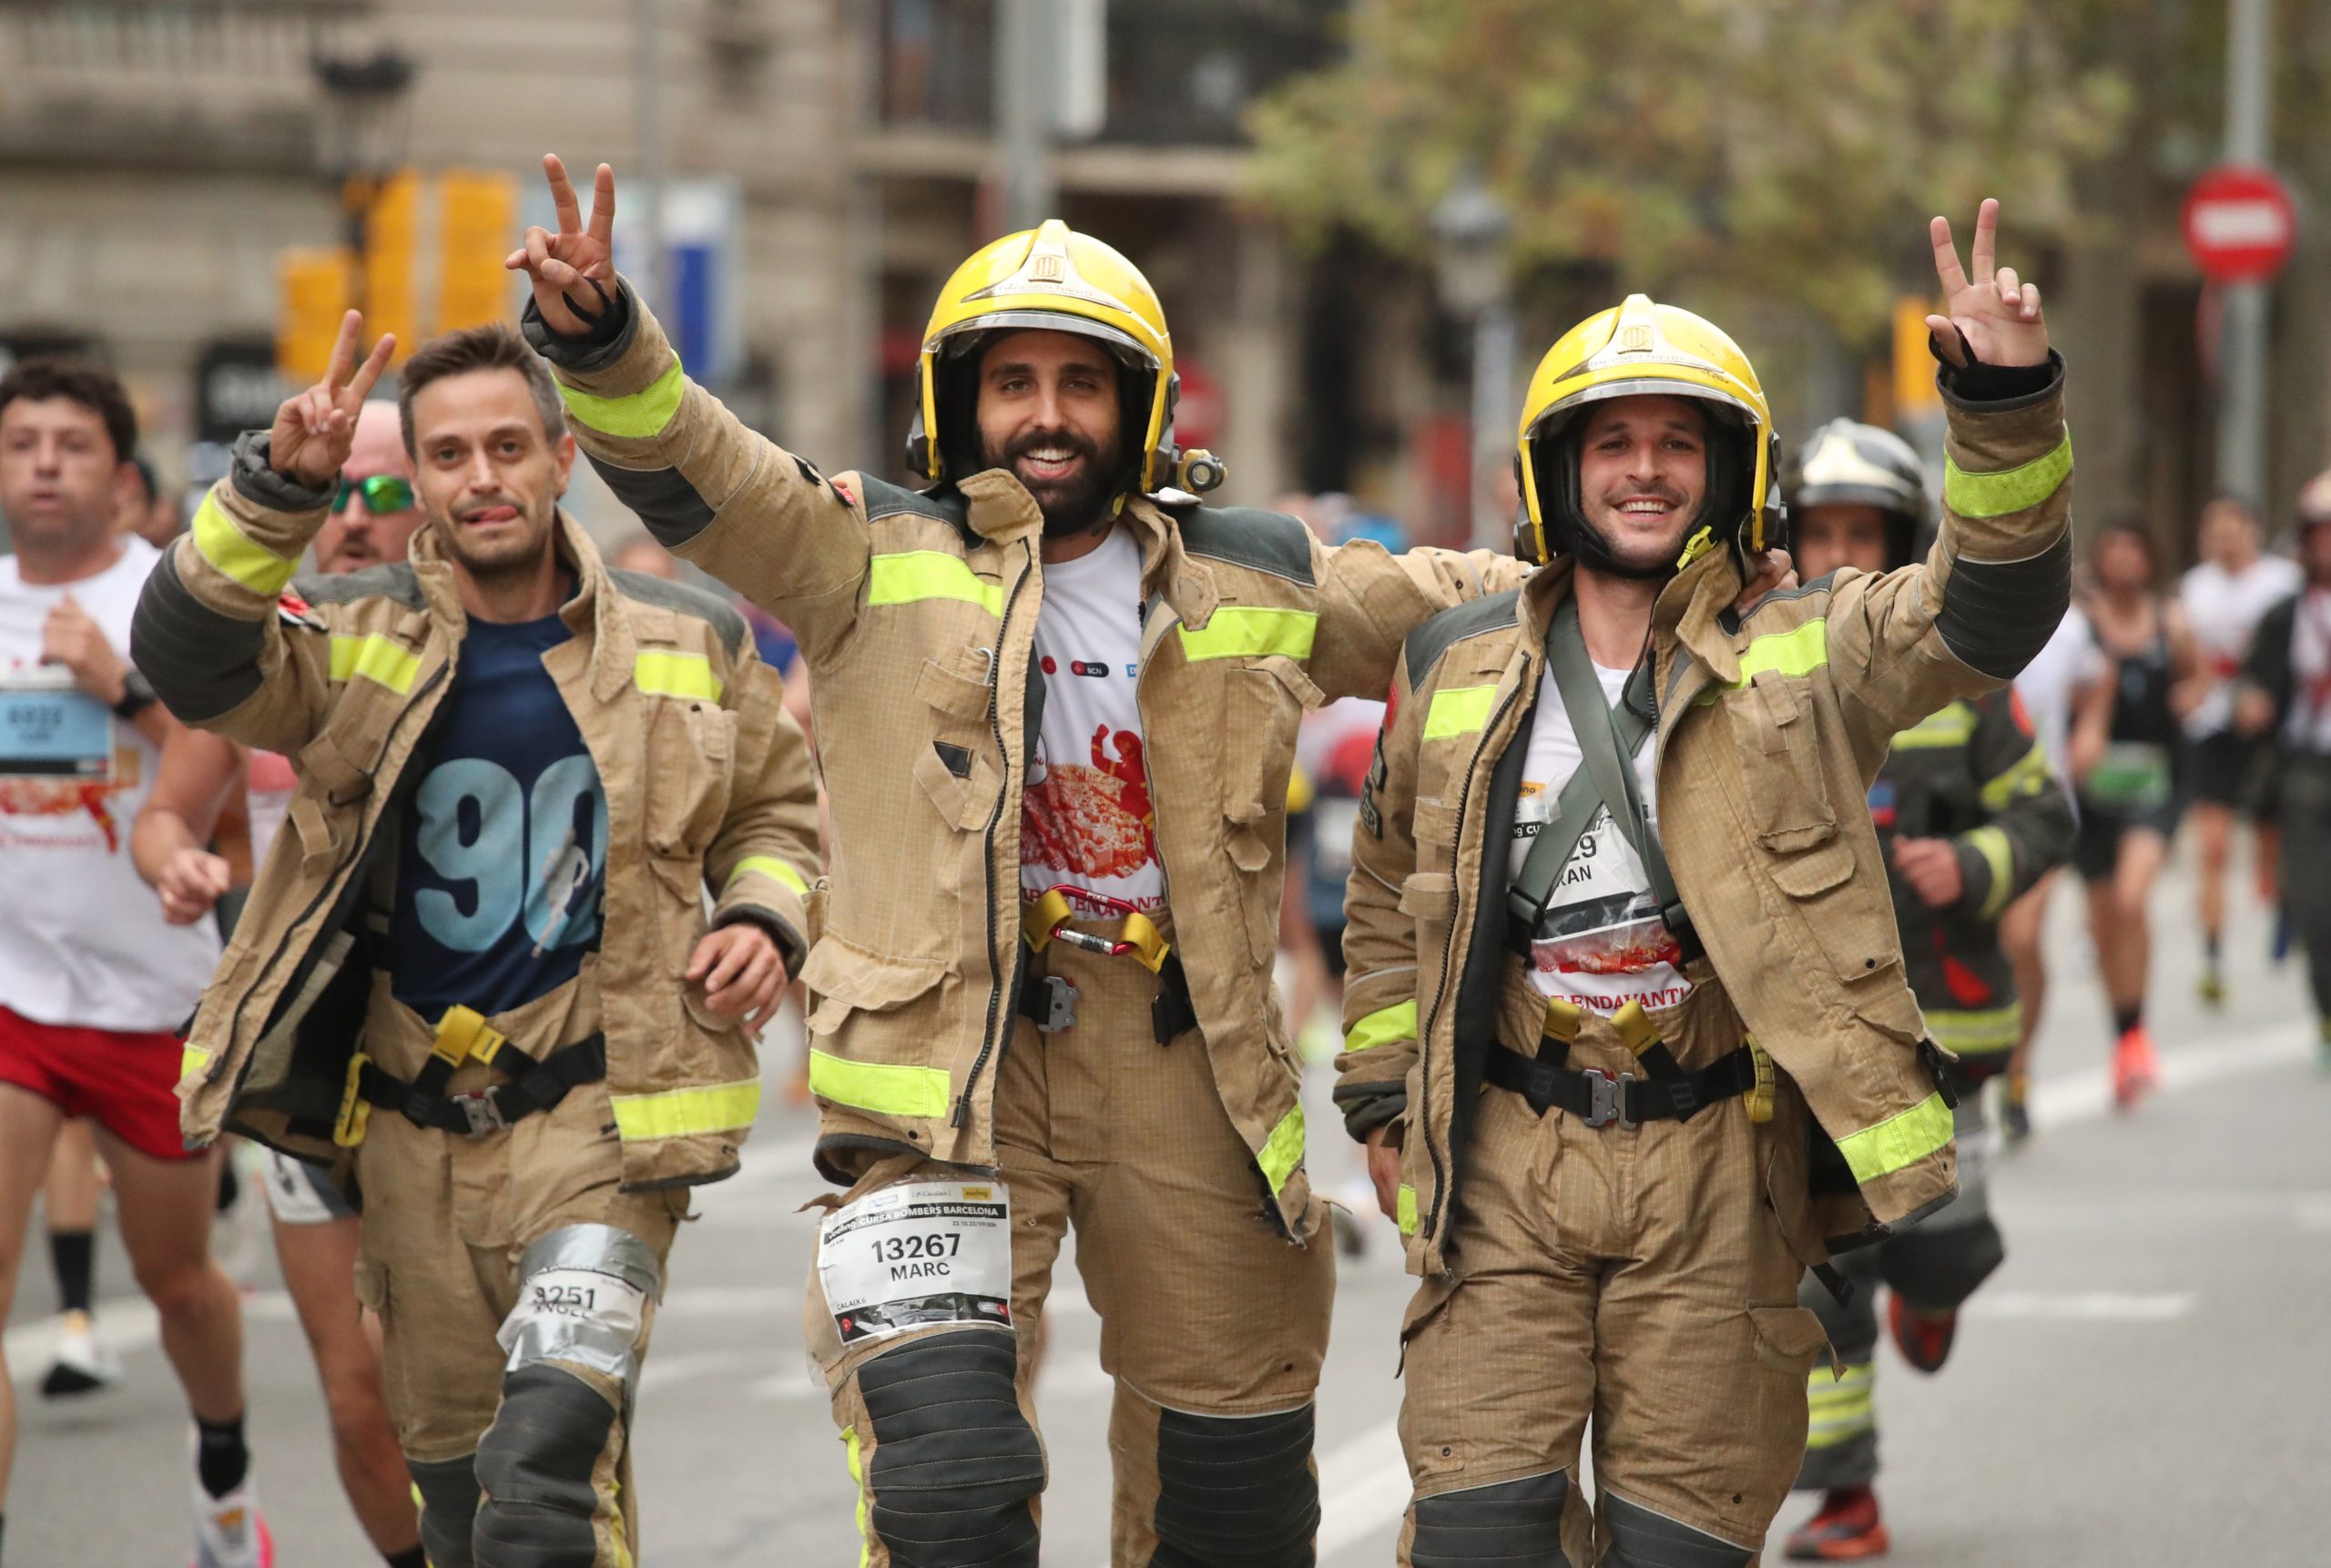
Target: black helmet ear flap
<point x="919" y="453"/>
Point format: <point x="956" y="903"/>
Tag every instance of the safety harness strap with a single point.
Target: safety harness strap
<point x="1600" y="1098"/>
<point x="1049" y="1001"/>
<point x="538" y="1087"/>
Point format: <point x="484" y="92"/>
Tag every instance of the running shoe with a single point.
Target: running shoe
<point x="2211" y="988"/>
<point x="2136" y="1067"/>
<point x="231" y="1531"/>
<point x="1846" y="1527"/>
<point x="2015" y="1116"/>
<point x="1923" y="1338"/>
<point x="82" y="1365"/>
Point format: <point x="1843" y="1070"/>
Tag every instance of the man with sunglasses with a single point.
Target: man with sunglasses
<point x="373" y="516"/>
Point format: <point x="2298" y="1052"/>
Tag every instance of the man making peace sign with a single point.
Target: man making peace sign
<point x="476" y="974"/>
<point x="1628" y="1036"/>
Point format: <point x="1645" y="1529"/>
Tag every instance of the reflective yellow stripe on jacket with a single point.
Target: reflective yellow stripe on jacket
<point x="1459" y="710"/>
<point x="1384" y="1027"/>
<point x="1283" y="1150"/>
<point x="1898" y="1141"/>
<point x="768" y="866"/>
<point x="376" y="659"/>
<point x="885" y="1088"/>
<point x="2008" y="490"/>
<point x="661" y="672"/>
<point x="1240" y="630"/>
<point x="638" y="417"/>
<point x="685" y="1112"/>
<point x="908" y="576"/>
<point x="226" y="546"/>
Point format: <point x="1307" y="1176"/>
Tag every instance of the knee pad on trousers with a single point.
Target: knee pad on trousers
<point x="956" y="1466"/>
<point x="448" y="1493"/>
<point x="1642" y="1538"/>
<point x="1936" y="1270"/>
<point x="536" y="1465"/>
<point x="1511" y="1522"/>
<point x="1236" y="1491"/>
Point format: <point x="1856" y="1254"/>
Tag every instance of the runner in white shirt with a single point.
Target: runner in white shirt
<point x="93" y="982"/>
<point x="2223" y="598"/>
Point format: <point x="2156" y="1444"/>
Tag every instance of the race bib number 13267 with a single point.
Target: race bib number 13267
<point x="916" y="1255"/>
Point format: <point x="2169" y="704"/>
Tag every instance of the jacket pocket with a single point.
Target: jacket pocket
<point x="1789" y="1339"/>
<point x="689" y="759"/>
<point x="680" y="917"/>
<point x="1778" y="736"/>
<point x="1850" y="918"/>
<point x="874" y="1024"/>
<point x="954" y="692"/>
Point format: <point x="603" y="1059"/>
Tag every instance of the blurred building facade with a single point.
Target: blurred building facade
<point x="158" y="158"/>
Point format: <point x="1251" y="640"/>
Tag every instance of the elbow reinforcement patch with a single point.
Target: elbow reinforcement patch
<point x="1511" y="1522"/>
<point x="1237" y="1492"/>
<point x="662" y="498"/>
<point x="202" y="663"/>
<point x="1997" y="615"/>
<point x="956" y="1467"/>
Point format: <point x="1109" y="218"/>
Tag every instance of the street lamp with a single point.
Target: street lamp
<point x="364" y="133"/>
<point x="1471" y="233"/>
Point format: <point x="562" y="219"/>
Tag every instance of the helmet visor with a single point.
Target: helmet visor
<point x="961" y="337"/>
<point x="1560" y="413"/>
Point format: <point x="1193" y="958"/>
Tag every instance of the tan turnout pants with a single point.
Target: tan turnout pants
<point x="1635" y="1278"/>
<point x="454" y="1228"/>
<point x="1213" y="1324"/>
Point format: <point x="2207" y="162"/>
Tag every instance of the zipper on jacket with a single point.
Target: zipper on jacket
<point x="356" y="855"/>
<point x="996" y="966"/>
<point x="1448" y="951"/>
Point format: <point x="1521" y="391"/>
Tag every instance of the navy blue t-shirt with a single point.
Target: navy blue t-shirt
<point x="506" y="839"/>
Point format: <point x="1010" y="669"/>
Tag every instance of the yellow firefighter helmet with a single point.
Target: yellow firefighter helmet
<point x="1641" y="349"/>
<point x="1052" y="279"/>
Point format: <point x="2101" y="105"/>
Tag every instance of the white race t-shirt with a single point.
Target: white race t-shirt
<point x="1600" y="942"/>
<point x="82" y="938"/>
<point x="2224" y="608"/>
<point x="2308" y="726"/>
<point x="2069" y="660"/>
<point x="1086" y="819"/>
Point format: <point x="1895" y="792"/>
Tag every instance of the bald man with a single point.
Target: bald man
<point x="373" y="518"/>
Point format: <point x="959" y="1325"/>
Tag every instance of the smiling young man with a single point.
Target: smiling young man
<point x="1055" y="704"/>
<point x="1970" y="817"/>
<point x="520" y="774"/>
<point x="1621" y="947"/>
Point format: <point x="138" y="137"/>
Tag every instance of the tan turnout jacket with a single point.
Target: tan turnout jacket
<point x="1770" y="727"/>
<point x="707" y="779"/>
<point x="917" y="616"/>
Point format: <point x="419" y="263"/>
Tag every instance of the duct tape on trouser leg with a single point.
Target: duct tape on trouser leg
<point x="1841" y="1427"/>
<point x="447" y="1491"/>
<point x="547" y="1463"/>
<point x="1236" y="1491"/>
<point x="1511" y="1522"/>
<point x="955" y="1468"/>
<point x="1642" y="1538"/>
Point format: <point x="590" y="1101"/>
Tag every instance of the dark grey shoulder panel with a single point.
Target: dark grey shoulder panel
<point x="674" y="510"/>
<point x="1820" y="585"/>
<point x="201" y="663"/>
<point x="726" y="620"/>
<point x="1443" y="631"/>
<point x="884" y="498"/>
<point x="395" y="581"/>
<point x="1997" y="615"/>
<point x="1268" y="542"/>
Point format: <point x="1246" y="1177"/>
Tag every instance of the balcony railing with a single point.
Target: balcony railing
<point x="165" y="83"/>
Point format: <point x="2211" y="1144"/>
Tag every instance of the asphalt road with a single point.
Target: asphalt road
<point x="2144" y="1382"/>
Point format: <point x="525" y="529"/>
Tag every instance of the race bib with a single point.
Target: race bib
<point x="915" y="1255"/>
<point x="2133" y="774"/>
<point x="578" y="1294"/>
<point x="51" y="728"/>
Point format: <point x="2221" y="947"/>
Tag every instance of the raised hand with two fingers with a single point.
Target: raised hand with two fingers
<point x="314" y="430"/>
<point x="1993" y="314"/>
<point x="573" y="271"/>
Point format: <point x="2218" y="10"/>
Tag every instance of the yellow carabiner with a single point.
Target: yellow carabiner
<point x="355" y="1110"/>
<point x="1760" y="1098"/>
<point x="1635" y="1027"/>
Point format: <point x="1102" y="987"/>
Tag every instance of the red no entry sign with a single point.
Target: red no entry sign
<point x="2239" y="224"/>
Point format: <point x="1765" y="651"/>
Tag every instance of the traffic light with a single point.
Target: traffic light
<point x="477" y="226"/>
<point x="313" y="289"/>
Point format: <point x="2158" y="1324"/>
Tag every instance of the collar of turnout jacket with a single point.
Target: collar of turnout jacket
<point x="706" y="784"/>
<point x="1770" y="729"/>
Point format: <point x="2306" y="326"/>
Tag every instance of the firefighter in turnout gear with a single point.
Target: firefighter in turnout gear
<point x="1055" y="700"/>
<point x="1627" y="1026"/>
<point x="479" y="974"/>
<point x="1969" y="817"/>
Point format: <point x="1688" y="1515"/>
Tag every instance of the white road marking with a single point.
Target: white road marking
<point x="2081" y="1306"/>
